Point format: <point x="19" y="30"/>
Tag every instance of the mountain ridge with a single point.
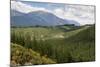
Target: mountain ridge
<point x="38" y="18"/>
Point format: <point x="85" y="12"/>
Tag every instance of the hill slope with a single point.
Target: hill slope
<point x="23" y="56"/>
<point x="76" y="45"/>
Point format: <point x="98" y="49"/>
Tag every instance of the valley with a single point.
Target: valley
<point x="62" y="44"/>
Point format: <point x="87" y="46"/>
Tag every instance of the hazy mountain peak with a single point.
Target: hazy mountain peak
<point x="41" y="18"/>
<point x="24" y="14"/>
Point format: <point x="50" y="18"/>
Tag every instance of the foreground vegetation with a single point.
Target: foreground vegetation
<point x="62" y="44"/>
<point x="24" y="56"/>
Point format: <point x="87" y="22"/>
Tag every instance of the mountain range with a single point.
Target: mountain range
<point x="38" y="18"/>
<point x="24" y="15"/>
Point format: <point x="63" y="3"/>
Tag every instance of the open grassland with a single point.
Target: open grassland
<point x="61" y="44"/>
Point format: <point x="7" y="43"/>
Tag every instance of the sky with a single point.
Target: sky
<point x="80" y="13"/>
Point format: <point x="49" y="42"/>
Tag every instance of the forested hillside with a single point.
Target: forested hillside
<point x="53" y="44"/>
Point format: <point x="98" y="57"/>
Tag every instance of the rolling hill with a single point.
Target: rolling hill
<point x="75" y="45"/>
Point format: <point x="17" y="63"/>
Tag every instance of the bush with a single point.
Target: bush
<point x="23" y="56"/>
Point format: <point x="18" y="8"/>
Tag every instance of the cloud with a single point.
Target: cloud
<point x="59" y="12"/>
<point x="18" y="6"/>
<point x="24" y="8"/>
<point x="82" y="14"/>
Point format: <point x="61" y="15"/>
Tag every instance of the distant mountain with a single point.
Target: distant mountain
<point x="16" y="13"/>
<point x="26" y="15"/>
<point x="42" y="18"/>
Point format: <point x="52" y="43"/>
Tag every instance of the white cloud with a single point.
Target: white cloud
<point x="59" y="12"/>
<point x="24" y="8"/>
<point x="18" y="6"/>
<point x="82" y="14"/>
